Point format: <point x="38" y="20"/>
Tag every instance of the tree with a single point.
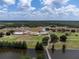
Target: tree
<point x="39" y="47"/>
<point x="8" y="33"/>
<point x="67" y="34"/>
<point x="1" y="34"/>
<point x="54" y="39"/>
<point x="63" y="39"/>
<point x="24" y="45"/>
<point x="73" y="30"/>
<point x="45" y="41"/>
<point x="14" y="45"/>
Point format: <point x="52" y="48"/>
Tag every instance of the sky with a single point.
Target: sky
<point x="39" y="10"/>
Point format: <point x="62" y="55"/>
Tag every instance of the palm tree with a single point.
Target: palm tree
<point x="63" y="40"/>
<point x="54" y="39"/>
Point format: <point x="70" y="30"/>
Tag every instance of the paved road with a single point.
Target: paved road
<point x="70" y="54"/>
<point x="46" y="49"/>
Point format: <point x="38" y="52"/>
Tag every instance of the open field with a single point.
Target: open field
<point x="72" y="41"/>
<point x="30" y="40"/>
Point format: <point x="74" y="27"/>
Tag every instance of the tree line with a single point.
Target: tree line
<point x="54" y="39"/>
<point x="13" y="45"/>
<point x="8" y="33"/>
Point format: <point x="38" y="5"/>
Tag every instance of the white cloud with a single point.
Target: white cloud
<point x="25" y="2"/>
<point x="48" y="9"/>
<point x="67" y="10"/>
<point x="47" y="12"/>
<point x="9" y="2"/>
<point x="3" y="8"/>
<point x="25" y="5"/>
<point x="49" y="2"/>
<point x="62" y="1"/>
<point x="64" y="10"/>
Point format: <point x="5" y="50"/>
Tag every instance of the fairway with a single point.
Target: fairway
<point x="72" y="40"/>
<point x="30" y="40"/>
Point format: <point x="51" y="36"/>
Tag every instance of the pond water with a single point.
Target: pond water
<point x="69" y="54"/>
<point x="32" y="54"/>
<point x="18" y="54"/>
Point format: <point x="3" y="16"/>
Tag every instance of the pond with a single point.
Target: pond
<point x="21" y="54"/>
<point x="32" y="54"/>
<point x="69" y="54"/>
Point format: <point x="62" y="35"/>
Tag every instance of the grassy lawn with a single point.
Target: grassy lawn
<point x="72" y="41"/>
<point x="30" y="40"/>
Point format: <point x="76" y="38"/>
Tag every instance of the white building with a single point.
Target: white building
<point x="18" y="33"/>
<point x="43" y="33"/>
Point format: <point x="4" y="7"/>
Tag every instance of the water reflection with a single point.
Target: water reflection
<point x="21" y="54"/>
<point x="11" y="53"/>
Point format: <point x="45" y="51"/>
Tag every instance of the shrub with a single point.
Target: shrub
<point x="73" y="30"/>
<point x="39" y="47"/>
<point x="67" y="34"/>
<point x="63" y="38"/>
<point x="8" y="33"/>
<point x="15" y="45"/>
<point x="1" y="34"/>
<point x="54" y="38"/>
<point x="76" y="34"/>
<point x="45" y="40"/>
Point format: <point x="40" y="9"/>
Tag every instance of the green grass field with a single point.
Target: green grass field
<point x="30" y="40"/>
<point x="72" y="41"/>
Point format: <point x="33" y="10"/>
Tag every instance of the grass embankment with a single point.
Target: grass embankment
<point x="30" y="40"/>
<point x="72" y="41"/>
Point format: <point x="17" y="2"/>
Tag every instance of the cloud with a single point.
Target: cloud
<point x="62" y="1"/>
<point x="49" y="2"/>
<point x="9" y="2"/>
<point x="65" y="8"/>
<point x="47" y="12"/>
<point x="25" y="3"/>
<point x="68" y="10"/>
<point x="3" y="8"/>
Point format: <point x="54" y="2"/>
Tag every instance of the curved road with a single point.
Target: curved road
<point x="58" y="54"/>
